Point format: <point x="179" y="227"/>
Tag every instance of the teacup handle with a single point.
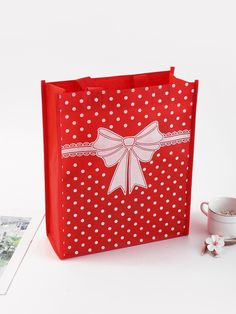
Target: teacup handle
<point x="203" y="209"/>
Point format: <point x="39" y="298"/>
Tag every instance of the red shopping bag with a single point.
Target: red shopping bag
<point x="118" y="160"/>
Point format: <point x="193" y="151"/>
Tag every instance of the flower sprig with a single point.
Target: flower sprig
<point x="215" y="243"/>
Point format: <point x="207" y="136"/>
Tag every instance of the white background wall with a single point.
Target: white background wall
<point x="56" y="40"/>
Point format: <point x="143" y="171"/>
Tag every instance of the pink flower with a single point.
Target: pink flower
<point x="215" y="244"/>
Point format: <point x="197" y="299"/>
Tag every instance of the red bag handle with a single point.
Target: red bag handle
<point x="125" y="81"/>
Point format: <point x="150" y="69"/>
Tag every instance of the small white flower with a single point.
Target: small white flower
<point x="215" y="244"/>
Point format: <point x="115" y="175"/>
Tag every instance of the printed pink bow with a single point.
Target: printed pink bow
<point x="127" y="152"/>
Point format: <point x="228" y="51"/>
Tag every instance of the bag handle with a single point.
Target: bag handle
<point x="84" y="82"/>
<point x="146" y="79"/>
<point x="135" y="80"/>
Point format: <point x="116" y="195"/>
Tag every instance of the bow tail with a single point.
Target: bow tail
<point x="136" y="176"/>
<point x="119" y="179"/>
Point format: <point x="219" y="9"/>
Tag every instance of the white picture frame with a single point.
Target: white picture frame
<point x="15" y="261"/>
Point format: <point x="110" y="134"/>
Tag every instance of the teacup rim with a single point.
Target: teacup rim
<point x="218" y="198"/>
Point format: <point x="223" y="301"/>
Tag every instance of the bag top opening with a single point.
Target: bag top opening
<point x="116" y="82"/>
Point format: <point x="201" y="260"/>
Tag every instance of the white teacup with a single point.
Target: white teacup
<point x="221" y="213"/>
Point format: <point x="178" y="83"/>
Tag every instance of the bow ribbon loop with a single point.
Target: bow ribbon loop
<point x="127" y="152"/>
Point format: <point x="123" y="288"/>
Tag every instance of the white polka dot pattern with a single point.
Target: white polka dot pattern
<point x="94" y="221"/>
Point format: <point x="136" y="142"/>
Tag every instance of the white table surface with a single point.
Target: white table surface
<point x="55" y="40"/>
<point x="168" y="276"/>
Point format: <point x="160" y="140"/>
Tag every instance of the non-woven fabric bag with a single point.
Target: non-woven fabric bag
<point x="118" y="160"/>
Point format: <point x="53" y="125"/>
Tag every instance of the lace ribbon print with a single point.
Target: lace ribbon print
<point x="126" y="153"/>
